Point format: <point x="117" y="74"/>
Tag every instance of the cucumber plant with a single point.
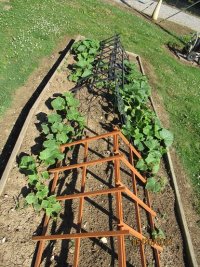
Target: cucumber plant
<point x="85" y="52"/>
<point x="38" y="197"/>
<point x="156" y="185"/>
<point x="63" y="125"/>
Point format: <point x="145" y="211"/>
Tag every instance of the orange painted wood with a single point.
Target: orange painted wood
<point x="81" y="235"/>
<point x="89" y="163"/>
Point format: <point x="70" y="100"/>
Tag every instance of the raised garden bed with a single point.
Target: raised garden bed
<point x="18" y="224"/>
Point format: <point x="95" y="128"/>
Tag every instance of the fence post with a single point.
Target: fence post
<point x="156" y="10"/>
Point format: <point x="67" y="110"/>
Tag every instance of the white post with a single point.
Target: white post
<point x="156" y="10"/>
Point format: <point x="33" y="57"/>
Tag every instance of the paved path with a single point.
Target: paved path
<point x="147" y="7"/>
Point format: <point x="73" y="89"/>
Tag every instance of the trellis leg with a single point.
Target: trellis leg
<point x="121" y="244"/>
<point x="80" y="214"/>
<point x="156" y="253"/>
<point x="143" y="260"/>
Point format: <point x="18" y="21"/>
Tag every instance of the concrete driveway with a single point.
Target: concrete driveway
<point x="166" y="11"/>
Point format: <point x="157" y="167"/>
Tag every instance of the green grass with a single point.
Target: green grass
<point x="30" y="30"/>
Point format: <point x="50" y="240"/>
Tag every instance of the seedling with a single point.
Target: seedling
<point x="158" y="234"/>
<point x="156" y="185"/>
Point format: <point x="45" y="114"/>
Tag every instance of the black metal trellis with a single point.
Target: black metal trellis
<point x="109" y="70"/>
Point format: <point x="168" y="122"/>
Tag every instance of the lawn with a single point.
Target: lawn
<point x="30" y="30"/>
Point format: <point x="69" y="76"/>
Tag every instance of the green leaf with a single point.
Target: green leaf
<point x="154" y="234"/>
<point x="45" y="204"/>
<point x="51" y="144"/>
<point x="160" y="233"/>
<point x="92" y="51"/>
<point x="167" y="136"/>
<point x="50" y="154"/>
<point x="28" y="163"/>
<point x="157" y="233"/>
<point x="152" y="144"/>
<point x="58" y="103"/>
<point x="57" y="207"/>
<point x="59" y="156"/>
<point x="45" y="128"/>
<point x="62" y="137"/>
<point x="82" y="64"/>
<point x="73" y="77"/>
<point x="86" y="73"/>
<point x="150" y="185"/>
<point x="33" y="178"/>
<point x="49" y="212"/>
<point x="153" y="157"/>
<point x="147" y="130"/>
<point x="31" y="198"/>
<point x="71" y="101"/>
<point x="68" y="129"/>
<point x="50" y="136"/>
<point x="72" y="114"/>
<point x="52" y="199"/>
<point x="141" y="165"/>
<point x="42" y="193"/>
<point x="45" y="175"/>
<point x="37" y="206"/>
<point x="81" y="48"/>
<point x="57" y="127"/>
<point x="139" y="145"/>
<point x="153" y="185"/>
<point x="156" y="167"/>
<point x="40" y="186"/>
<point x="45" y="154"/>
<point x="53" y="207"/>
<point x="54" y="118"/>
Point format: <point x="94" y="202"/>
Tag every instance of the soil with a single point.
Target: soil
<point x="18" y="224"/>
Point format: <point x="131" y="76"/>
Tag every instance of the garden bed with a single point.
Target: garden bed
<point x="18" y="224"/>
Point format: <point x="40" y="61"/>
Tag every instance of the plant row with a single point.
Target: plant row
<point x="62" y="125"/>
<point x="143" y="126"/>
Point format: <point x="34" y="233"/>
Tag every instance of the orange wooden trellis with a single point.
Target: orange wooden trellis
<point x="117" y="190"/>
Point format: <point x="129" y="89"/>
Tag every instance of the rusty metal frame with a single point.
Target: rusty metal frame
<point x="117" y="190"/>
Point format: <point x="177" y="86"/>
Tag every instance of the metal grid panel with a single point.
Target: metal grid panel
<point x="117" y="190"/>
